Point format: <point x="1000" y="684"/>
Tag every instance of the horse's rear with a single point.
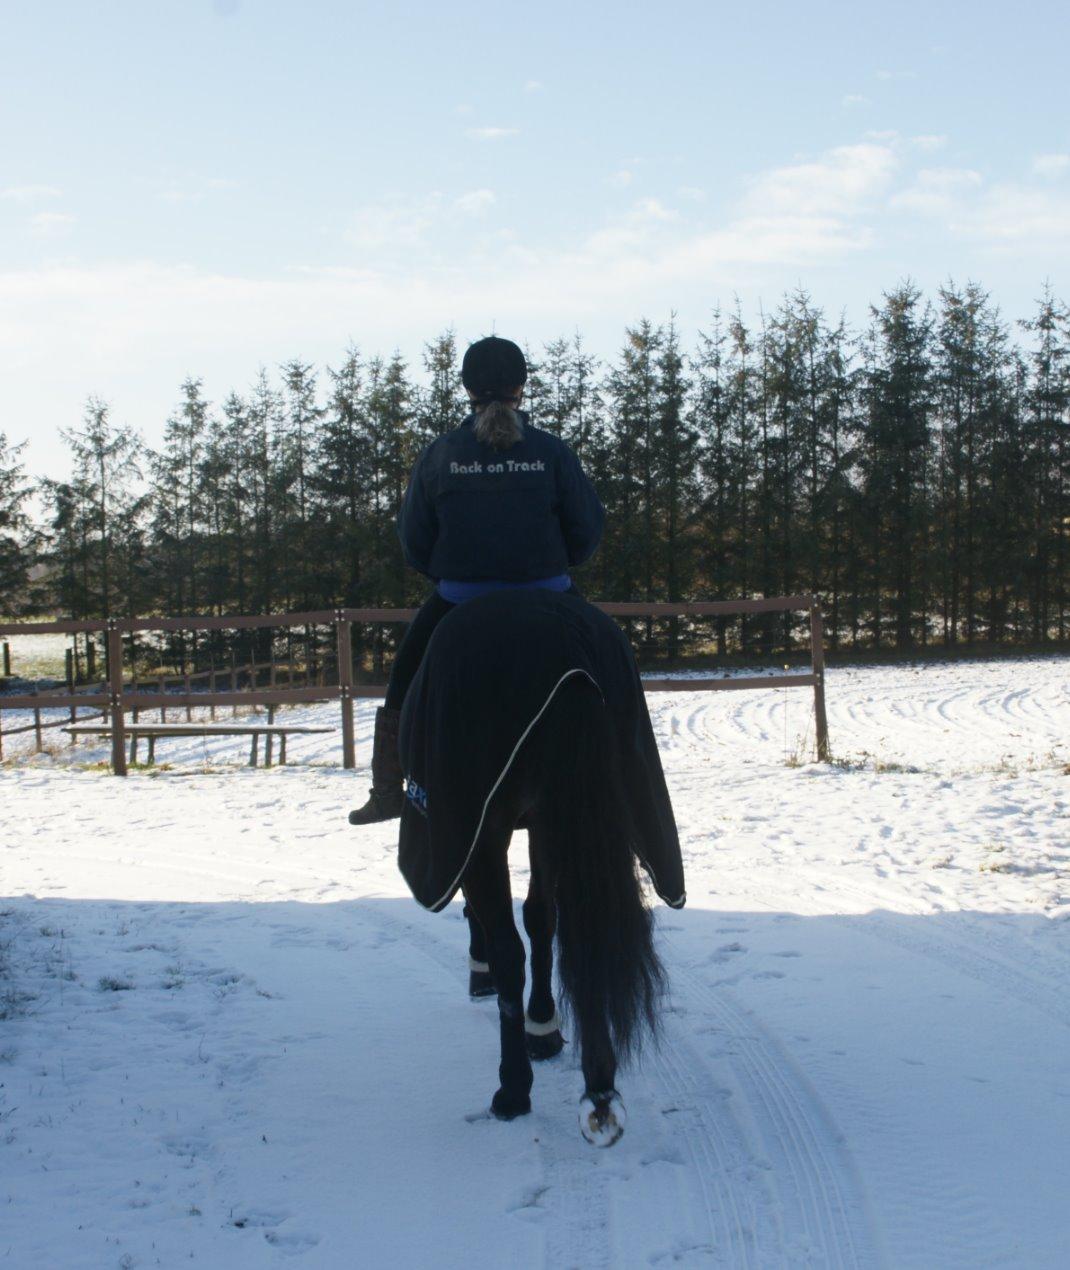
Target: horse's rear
<point x="565" y="781"/>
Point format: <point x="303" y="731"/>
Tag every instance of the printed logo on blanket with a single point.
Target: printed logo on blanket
<point x="416" y="795"/>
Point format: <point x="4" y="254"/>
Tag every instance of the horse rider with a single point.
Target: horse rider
<point x="494" y="505"/>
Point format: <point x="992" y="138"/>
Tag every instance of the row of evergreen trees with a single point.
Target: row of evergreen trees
<point x="916" y="474"/>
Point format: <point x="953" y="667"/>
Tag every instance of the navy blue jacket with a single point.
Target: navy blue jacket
<point x="473" y="513"/>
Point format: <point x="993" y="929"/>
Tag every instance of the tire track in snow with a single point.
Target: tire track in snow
<point x="822" y="1208"/>
<point x="969" y="956"/>
<point x="724" y="1172"/>
<point x="816" y="1214"/>
<point x="989" y="958"/>
<point x="716" y="1144"/>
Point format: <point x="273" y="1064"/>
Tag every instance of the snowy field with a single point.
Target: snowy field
<point x="228" y="1038"/>
<point x="37" y="656"/>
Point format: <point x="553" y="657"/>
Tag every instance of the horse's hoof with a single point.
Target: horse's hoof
<point x="602" y="1118"/>
<point x="541" y="1048"/>
<point x="505" y="1106"/>
<point x="481" y="984"/>
<point x="544" y="1040"/>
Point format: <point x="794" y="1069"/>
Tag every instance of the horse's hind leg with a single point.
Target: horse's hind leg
<point x="486" y="888"/>
<point x="602" y="1116"/>
<point x="541" y="1024"/>
<point x="480" y="980"/>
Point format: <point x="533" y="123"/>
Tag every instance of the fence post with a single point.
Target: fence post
<point x="38" y="744"/>
<point x="345" y="686"/>
<point x="817" y="653"/>
<point x="70" y="668"/>
<point x="115" y="688"/>
<point x="6" y="647"/>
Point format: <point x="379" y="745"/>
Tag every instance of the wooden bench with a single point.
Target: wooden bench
<point x="153" y="731"/>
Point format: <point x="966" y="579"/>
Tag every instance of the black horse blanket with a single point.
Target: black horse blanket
<point x="492" y="668"/>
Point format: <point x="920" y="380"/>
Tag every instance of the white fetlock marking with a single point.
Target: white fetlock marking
<point x="541" y="1029"/>
<point x="605" y="1134"/>
<point x="481" y="967"/>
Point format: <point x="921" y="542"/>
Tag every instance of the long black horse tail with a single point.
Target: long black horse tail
<point x="610" y="971"/>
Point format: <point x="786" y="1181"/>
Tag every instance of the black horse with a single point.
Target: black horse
<point x="554" y="736"/>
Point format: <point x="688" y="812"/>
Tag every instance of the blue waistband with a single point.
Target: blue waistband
<point x="458" y="592"/>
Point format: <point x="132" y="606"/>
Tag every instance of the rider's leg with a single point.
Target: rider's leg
<point x="387" y="793"/>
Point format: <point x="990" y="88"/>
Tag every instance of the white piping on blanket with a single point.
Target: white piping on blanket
<point x="505" y="771"/>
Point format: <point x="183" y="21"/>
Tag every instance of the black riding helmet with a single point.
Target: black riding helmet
<point x="493" y="368"/>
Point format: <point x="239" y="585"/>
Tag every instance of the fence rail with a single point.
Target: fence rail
<point x="116" y="698"/>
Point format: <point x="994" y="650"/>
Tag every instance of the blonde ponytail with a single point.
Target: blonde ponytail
<point x="498" y="425"/>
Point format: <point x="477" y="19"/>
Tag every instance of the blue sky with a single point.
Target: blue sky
<point x="202" y="188"/>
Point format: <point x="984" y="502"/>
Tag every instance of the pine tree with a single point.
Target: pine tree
<point x="1047" y="451"/>
<point x="441" y="404"/>
<point x="676" y="450"/>
<point x="177" y="501"/>
<point x="894" y="457"/>
<point x="711" y="413"/>
<point x="106" y="466"/>
<point x="295" y="440"/>
<point x="341" y="480"/>
<point x="16" y="539"/>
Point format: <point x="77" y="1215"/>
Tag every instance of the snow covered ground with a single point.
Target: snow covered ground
<point x="229" y="1038"/>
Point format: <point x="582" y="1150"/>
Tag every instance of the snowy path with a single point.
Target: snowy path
<point x="231" y="1038"/>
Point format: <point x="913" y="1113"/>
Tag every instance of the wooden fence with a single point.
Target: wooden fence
<point x="116" y="698"/>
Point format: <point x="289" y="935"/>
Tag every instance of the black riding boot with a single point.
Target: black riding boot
<point x="387" y="792"/>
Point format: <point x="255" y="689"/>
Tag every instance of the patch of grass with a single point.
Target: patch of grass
<point x="13" y="1003"/>
<point x="846" y="763"/>
<point x="108" y="983"/>
<point x="992" y="862"/>
<point x="881" y="766"/>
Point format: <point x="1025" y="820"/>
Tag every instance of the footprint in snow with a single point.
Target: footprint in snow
<point x="294" y="1243"/>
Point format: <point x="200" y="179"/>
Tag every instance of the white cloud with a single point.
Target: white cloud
<point x="692" y="193"/>
<point x="51" y="224"/>
<point x="1012" y="216"/>
<point x="621" y="178"/>
<point x="936" y="191"/>
<point x="382" y="226"/>
<point x="854" y="99"/>
<point x="533" y="86"/>
<point x="475" y="202"/>
<point x="996" y="218"/>
<point x="929" y="141"/>
<point x="1051" y="165"/>
<point x="29" y="193"/>
<point x="653" y="209"/>
<point x="492" y="134"/>
<point x="840" y="182"/>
